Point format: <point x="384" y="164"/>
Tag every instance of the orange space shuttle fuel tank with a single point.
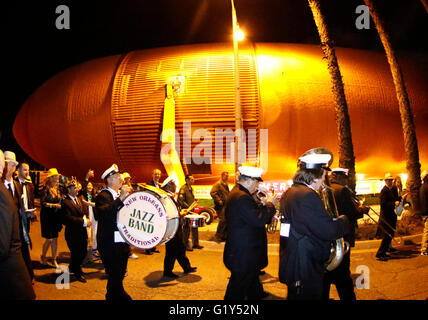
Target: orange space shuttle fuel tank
<point x="111" y="110"/>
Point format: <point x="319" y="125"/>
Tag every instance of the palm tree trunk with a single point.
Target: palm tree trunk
<point x="425" y="4"/>
<point x="410" y="142"/>
<point x="346" y="148"/>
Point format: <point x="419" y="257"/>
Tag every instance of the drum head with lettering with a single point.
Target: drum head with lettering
<point x="142" y="221"/>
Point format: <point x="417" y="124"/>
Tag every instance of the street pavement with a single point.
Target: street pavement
<point x="403" y="277"/>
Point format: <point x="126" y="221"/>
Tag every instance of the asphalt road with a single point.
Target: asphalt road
<point x="404" y="277"/>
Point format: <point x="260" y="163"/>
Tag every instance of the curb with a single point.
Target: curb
<point x="273" y="248"/>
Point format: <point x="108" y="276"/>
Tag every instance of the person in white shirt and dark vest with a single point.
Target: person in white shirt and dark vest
<point x="15" y="282"/>
<point x="16" y="192"/>
<point x="75" y="223"/>
<point x="113" y="249"/>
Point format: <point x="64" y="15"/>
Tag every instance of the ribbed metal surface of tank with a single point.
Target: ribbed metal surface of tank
<point x="110" y="110"/>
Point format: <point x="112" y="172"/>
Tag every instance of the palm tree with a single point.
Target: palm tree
<point x="346" y="148"/>
<point x="410" y="142"/>
<point x="425" y="4"/>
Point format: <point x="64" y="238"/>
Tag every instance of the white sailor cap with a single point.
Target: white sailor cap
<point x="110" y="171"/>
<point x="251" y="172"/>
<point x="340" y="170"/>
<point x="315" y="161"/>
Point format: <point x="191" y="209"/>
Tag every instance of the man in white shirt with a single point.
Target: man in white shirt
<point x="76" y="235"/>
<point x="112" y="247"/>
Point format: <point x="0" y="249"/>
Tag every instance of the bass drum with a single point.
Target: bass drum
<point x="148" y="218"/>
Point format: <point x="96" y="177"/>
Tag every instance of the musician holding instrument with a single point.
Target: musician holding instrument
<point x="245" y="251"/>
<point x="389" y="199"/>
<point x="312" y="230"/>
<point x="346" y="205"/>
<point x="185" y="198"/>
<point x="112" y="247"/>
<point x="175" y="248"/>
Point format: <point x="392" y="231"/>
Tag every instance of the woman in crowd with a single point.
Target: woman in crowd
<point x="50" y="219"/>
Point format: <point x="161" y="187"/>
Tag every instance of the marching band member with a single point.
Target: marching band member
<point x="245" y="251"/>
<point x="389" y="199"/>
<point x="185" y="198"/>
<point x="112" y="247"/>
<point x="175" y="248"/>
<point x="341" y="276"/>
<point x="311" y="231"/>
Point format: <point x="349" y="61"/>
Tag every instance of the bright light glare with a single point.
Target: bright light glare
<point x="239" y="35"/>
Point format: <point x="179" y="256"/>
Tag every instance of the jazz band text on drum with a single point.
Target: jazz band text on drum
<point x="143" y="223"/>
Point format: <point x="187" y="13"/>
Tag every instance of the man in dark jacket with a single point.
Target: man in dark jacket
<point x="112" y="247"/>
<point x="389" y="199"/>
<point x="15" y="282"/>
<point x="76" y="235"/>
<point x="186" y="197"/>
<point x="219" y="193"/>
<point x="245" y="251"/>
<point x="311" y="232"/>
<point x="346" y="205"/>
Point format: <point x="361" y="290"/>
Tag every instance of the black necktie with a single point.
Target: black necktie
<point x="9" y="186"/>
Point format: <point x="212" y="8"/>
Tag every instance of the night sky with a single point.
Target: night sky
<point x="34" y="49"/>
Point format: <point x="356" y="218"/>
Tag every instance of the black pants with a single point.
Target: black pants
<point x="27" y="258"/>
<point x="341" y="277"/>
<point x="115" y="260"/>
<point x="307" y="290"/>
<point x="175" y="250"/>
<point x="386" y="239"/>
<point x="221" y="232"/>
<point x="244" y="285"/>
<point x="78" y="250"/>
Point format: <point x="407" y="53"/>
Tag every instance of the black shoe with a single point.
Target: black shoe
<point x="170" y="275"/>
<point x="157" y="251"/>
<point x="391" y="250"/>
<point x="262" y="273"/>
<point x="197" y="247"/>
<point x="80" y="278"/>
<point x="147" y="252"/>
<point x="383" y="257"/>
<point x="192" y="269"/>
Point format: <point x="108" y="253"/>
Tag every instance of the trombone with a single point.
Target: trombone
<point x="381" y="219"/>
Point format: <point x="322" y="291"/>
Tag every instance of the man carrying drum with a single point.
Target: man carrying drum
<point x="175" y="248"/>
<point x="112" y="247"/>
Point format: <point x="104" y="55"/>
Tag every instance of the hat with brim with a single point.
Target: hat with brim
<point x="315" y="161"/>
<point x="53" y="172"/>
<point x="340" y="171"/>
<point x="9" y="156"/>
<point x="71" y="183"/>
<point x="110" y="171"/>
<point x="388" y="176"/>
<point x="251" y="172"/>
